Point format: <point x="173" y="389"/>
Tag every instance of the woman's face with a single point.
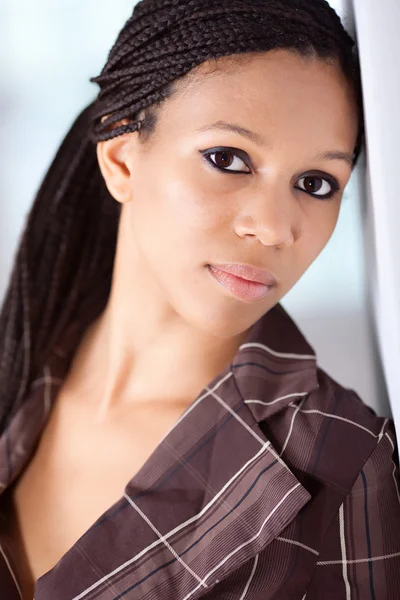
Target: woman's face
<point x="273" y="202"/>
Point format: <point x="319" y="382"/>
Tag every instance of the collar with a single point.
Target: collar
<point x="213" y="494"/>
<point x="275" y="365"/>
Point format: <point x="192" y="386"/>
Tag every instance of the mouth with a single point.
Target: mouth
<point x="245" y="289"/>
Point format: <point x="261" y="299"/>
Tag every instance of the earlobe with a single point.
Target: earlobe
<point x="113" y="158"/>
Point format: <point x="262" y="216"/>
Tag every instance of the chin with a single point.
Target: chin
<point x="225" y="321"/>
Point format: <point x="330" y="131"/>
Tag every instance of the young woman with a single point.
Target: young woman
<point x="166" y="429"/>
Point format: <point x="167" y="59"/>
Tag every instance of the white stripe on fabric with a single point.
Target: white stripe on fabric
<point x="11" y="571"/>
<point x="164" y="541"/>
<point x="234" y="414"/>
<point x="325" y="563"/>
<point x="245" y="543"/>
<point x="248" y="582"/>
<point x="396" y="484"/>
<point x="277" y="399"/>
<point x="343" y="550"/>
<point x="291" y="426"/>
<point x="324" y="414"/>
<point x="390" y="440"/>
<point x="381" y="434"/>
<point x="296" y="543"/>
<point x="229" y="409"/>
<point x="178" y="528"/>
<point x="249" y="429"/>
<point x="395" y="481"/>
<point x="278" y="354"/>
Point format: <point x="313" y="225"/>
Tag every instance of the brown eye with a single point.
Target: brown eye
<point x="226" y="160"/>
<point x="223" y="159"/>
<point x="312" y="184"/>
<point x="319" y="187"/>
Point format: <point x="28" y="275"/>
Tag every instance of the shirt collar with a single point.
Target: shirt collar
<point x="213" y="494"/>
<point x="275" y="365"/>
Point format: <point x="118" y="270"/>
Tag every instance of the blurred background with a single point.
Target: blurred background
<point x="49" y="51"/>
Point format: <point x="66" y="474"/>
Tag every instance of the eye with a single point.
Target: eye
<point x="225" y="159"/>
<point x="318" y="186"/>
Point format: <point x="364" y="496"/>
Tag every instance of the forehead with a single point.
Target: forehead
<point x="276" y="93"/>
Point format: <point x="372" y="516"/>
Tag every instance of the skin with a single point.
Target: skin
<point x="180" y="214"/>
<point x="169" y="328"/>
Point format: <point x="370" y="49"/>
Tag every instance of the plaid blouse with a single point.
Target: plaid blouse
<point x="275" y="483"/>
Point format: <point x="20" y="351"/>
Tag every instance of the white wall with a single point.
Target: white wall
<point x="377" y="25"/>
<point x="52" y="49"/>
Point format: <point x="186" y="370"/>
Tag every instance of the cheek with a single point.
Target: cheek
<point x="175" y="219"/>
<point x="318" y="231"/>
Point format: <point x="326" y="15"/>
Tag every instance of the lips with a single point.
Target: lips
<point x="248" y="273"/>
<point x="247" y="290"/>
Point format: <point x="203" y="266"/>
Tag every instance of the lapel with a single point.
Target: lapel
<point x="275" y="365"/>
<point x="213" y="494"/>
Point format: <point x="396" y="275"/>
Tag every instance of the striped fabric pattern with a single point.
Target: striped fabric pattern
<point x="275" y="483"/>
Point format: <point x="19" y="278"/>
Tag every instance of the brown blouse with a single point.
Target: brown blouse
<point x="275" y="483"/>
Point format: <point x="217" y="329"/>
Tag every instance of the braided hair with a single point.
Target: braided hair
<point x="63" y="266"/>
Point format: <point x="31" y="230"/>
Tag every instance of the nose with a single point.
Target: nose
<point x="271" y="217"/>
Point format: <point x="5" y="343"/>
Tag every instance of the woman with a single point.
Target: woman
<point x="166" y="430"/>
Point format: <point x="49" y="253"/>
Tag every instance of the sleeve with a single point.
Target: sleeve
<point x="360" y="555"/>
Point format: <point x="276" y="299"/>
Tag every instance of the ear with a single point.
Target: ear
<point x="115" y="161"/>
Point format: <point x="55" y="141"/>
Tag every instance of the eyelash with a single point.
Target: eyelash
<point x="239" y="154"/>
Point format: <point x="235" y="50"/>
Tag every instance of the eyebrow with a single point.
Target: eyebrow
<point x="261" y="141"/>
<point x="337" y="155"/>
<point x="254" y="137"/>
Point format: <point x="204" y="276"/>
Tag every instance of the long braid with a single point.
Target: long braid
<point x="63" y="267"/>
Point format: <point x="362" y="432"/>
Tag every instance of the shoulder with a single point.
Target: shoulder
<point x="330" y="434"/>
<point x="360" y="552"/>
<point x="355" y="436"/>
<point x="345" y="412"/>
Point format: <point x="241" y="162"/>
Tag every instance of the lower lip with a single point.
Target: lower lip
<point x="249" y="291"/>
